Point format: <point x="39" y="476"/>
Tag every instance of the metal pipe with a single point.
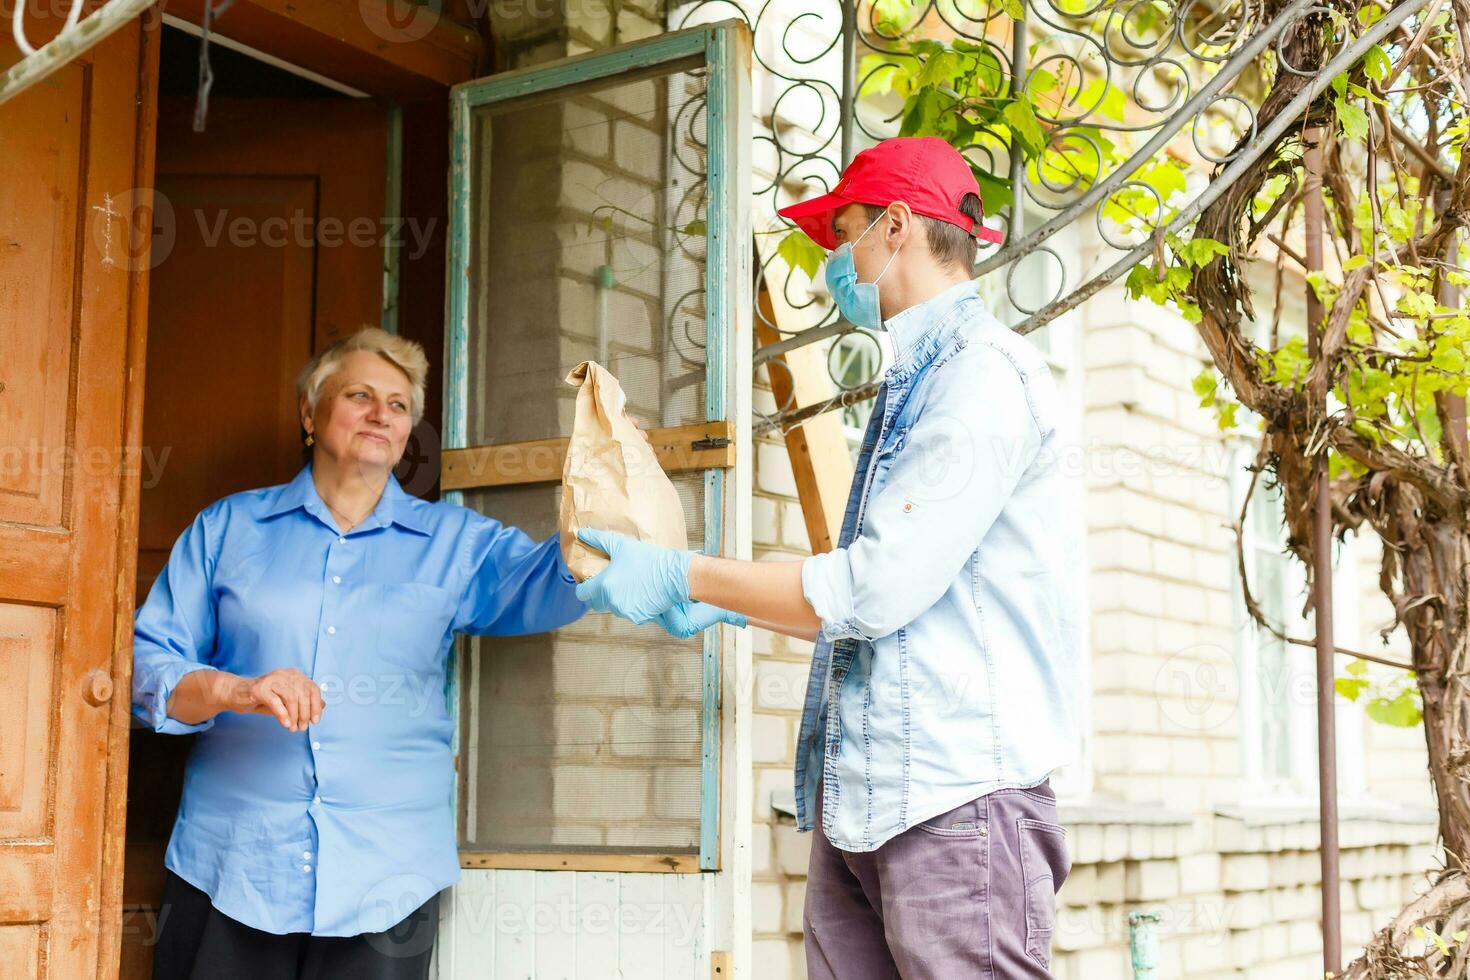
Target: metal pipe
<point x="1018" y="161"/>
<point x="1449" y="296"/>
<point x="849" y="77"/>
<point x="1322" y="583"/>
<point x="1143" y="944"/>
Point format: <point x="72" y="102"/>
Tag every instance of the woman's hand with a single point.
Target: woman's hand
<point x="293" y="698"/>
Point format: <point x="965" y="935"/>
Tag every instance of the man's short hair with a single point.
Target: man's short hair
<point x="948" y="243"/>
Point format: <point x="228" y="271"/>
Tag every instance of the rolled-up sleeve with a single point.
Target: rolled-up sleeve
<point x="959" y="463"/>
<point x="174" y="631"/>
<point x="514" y="585"/>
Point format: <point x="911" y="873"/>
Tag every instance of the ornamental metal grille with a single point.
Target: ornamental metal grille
<point x="1131" y="81"/>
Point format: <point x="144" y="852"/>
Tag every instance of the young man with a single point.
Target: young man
<point x="943" y="679"/>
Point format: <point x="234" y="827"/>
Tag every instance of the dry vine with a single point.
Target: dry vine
<point x="1391" y="359"/>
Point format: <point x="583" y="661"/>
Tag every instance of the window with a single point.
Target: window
<point x="1278" y="680"/>
<point x="597" y="210"/>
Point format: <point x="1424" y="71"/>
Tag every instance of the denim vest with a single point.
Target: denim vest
<point x="948" y="661"/>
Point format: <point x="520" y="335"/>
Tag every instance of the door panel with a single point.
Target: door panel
<point x="71" y="285"/>
<point x="37" y="257"/>
<point x="28" y="664"/>
<point x="229" y="325"/>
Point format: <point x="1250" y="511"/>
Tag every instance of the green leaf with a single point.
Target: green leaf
<point x="1449" y="359"/>
<point x="1349" y="687"/>
<point x="1022" y="120"/>
<point x="1204" y="384"/>
<point x="1104" y="98"/>
<point x="1376" y="64"/>
<point x="880" y="73"/>
<point x="921" y="113"/>
<point x="1364" y="93"/>
<point x="1354" y="120"/>
<point x="1200" y="251"/>
<point x="1369" y="14"/>
<point x="1040" y="81"/>
<point x="1417" y="304"/>
<point x="995" y="192"/>
<point x="1401" y="711"/>
<point x="1165" y="177"/>
<point x="800" y="252"/>
<point x="1354" y="262"/>
<point x="695" y="228"/>
<point x="990" y="77"/>
<point x="941" y="69"/>
<point x="892" y="15"/>
<point x="1357" y="668"/>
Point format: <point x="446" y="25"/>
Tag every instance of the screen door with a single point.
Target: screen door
<point x="594" y="217"/>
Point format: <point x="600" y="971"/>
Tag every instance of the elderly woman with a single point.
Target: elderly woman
<point x="303" y="630"/>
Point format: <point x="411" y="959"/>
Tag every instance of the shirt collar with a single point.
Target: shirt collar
<point x="908" y="327"/>
<point x="394" y="507"/>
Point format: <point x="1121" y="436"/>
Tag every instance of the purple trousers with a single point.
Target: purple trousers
<point x="970" y="893"/>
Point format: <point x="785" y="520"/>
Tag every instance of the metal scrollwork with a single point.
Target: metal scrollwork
<point x="1171" y="71"/>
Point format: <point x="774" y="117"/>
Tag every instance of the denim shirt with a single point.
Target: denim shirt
<point x="948" y="659"/>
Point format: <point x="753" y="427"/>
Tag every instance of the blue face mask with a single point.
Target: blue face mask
<point x="856" y="301"/>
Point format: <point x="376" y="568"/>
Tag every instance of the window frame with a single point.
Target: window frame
<point x="723" y="50"/>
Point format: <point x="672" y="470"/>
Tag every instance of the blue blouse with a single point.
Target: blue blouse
<point x="347" y="827"/>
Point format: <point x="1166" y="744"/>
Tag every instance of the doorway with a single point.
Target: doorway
<point x="267" y="245"/>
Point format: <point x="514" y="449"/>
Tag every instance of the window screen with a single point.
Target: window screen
<point x="587" y="242"/>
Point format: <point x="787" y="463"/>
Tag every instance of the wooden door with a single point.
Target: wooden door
<point x="72" y="295"/>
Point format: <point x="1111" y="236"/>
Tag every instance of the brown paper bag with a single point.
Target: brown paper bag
<point x="612" y="480"/>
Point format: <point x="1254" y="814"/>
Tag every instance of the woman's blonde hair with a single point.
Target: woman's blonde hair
<point x="406" y="355"/>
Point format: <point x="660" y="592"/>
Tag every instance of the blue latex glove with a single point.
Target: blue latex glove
<point x="643" y="580"/>
<point x="687" y="619"/>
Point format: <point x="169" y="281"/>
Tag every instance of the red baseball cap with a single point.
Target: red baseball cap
<point x="924" y="172"/>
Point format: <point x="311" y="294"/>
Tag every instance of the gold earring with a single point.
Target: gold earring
<point x="309" y="439"/>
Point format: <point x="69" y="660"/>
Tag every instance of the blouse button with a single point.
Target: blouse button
<point x="341" y="540"/>
<point x="306" y="855"/>
<point x="336" y="580"/>
<point x="331" y="629"/>
<point x="316" y="745"/>
<point x="306" y="868"/>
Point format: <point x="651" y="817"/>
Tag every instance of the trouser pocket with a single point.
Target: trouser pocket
<point x="1044" y="866"/>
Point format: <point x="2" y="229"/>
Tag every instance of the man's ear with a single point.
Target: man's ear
<point x="900" y="224"/>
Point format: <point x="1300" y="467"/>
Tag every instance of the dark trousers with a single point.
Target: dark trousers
<point x="198" y="942"/>
<point x="970" y="893"/>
